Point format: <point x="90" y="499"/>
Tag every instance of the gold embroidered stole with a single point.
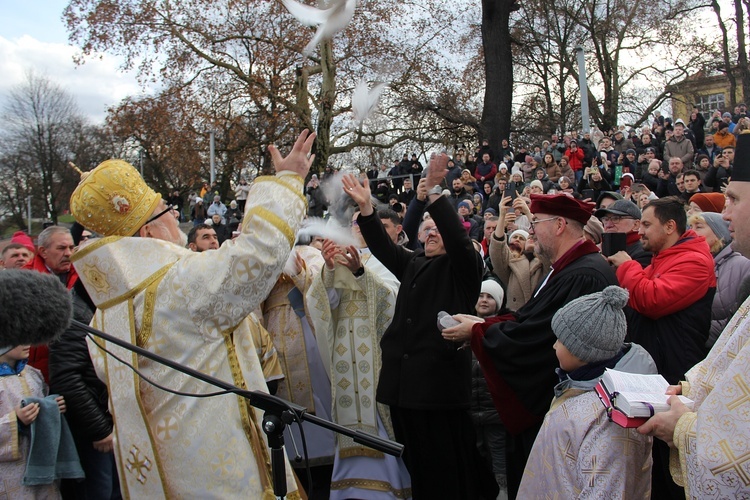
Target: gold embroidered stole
<point x="286" y="330"/>
<point x="249" y="422"/>
<point x="137" y="454"/>
<point x="350" y="339"/>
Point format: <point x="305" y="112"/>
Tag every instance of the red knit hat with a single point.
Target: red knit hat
<point x="562" y="205"/>
<point x="709" y="202"/>
<point x="23" y="239"/>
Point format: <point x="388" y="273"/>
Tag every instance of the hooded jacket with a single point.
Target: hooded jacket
<point x="683" y="149"/>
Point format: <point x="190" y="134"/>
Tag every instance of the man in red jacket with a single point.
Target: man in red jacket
<point x="53" y="257"/>
<point x="669" y="310"/>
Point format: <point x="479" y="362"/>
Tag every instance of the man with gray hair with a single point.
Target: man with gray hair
<point x="624" y="216"/>
<point x="53" y="257"/>
<point x="55" y="246"/>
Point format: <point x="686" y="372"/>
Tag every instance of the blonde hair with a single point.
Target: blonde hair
<point x="719" y="244"/>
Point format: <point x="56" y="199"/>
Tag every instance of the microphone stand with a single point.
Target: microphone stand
<point x="278" y="412"/>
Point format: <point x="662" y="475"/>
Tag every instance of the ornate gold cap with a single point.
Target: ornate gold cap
<point x="113" y="199"/>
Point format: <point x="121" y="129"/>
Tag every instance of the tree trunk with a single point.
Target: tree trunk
<point x="498" y="69"/>
<point x="744" y="71"/>
<point x="728" y="70"/>
<point x="327" y="100"/>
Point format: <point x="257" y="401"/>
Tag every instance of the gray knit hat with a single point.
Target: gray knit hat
<point x="718" y="225"/>
<point x="593" y="327"/>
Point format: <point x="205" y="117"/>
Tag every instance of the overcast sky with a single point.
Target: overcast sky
<point x="33" y="37"/>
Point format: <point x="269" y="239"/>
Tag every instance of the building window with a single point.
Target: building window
<point x="707" y="104"/>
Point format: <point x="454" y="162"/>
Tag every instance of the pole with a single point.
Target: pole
<point x="28" y="215"/>
<point x="213" y="165"/>
<point x="584" y="90"/>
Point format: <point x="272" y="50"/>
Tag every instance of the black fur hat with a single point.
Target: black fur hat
<point x="35" y="308"/>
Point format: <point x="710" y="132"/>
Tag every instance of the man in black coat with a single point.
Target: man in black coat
<point x="516" y="352"/>
<point x="426" y="380"/>
<point x="72" y="375"/>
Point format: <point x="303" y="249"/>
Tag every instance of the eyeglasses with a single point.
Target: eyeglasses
<point x="429" y="231"/>
<point x="614" y="219"/>
<point x="170" y="208"/>
<point x="537" y="221"/>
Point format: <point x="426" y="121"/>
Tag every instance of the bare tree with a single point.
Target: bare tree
<point x="42" y="124"/>
<point x="630" y="46"/>
<point x="741" y="15"/>
<point x="253" y="50"/>
<point x="18" y="181"/>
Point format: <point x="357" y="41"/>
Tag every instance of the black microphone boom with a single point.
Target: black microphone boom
<point x="258" y="399"/>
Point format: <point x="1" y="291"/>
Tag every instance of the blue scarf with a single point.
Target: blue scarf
<point x="6" y="369"/>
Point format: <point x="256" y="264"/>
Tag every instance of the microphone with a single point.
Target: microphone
<point x="35" y="308"/>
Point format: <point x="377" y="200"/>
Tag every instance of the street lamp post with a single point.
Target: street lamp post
<point x="212" y="162"/>
<point x="585" y="120"/>
<point x="28" y="215"/>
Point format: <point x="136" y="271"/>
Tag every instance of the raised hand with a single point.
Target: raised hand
<point x="521" y="204"/>
<point x="351" y="258"/>
<point x="299" y="159"/>
<point x="437" y="169"/>
<point x="329" y="251"/>
<point x="360" y="193"/>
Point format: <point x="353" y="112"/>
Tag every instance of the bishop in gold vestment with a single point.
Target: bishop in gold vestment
<point x="188" y="307"/>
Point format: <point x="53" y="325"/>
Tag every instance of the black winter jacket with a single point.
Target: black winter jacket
<point x="72" y="376"/>
<point x="420" y="369"/>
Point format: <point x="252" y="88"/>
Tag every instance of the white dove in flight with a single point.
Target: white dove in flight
<point x="364" y="100"/>
<point x="329" y="21"/>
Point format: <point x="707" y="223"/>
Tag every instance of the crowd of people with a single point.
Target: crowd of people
<point x="467" y="313"/>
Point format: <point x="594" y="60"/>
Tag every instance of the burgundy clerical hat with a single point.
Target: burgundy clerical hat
<point x="563" y="206"/>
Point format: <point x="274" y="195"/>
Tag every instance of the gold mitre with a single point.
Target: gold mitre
<point x="113" y="199"/>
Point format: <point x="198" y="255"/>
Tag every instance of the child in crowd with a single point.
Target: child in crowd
<point x="17" y="382"/>
<point x="579" y="453"/>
